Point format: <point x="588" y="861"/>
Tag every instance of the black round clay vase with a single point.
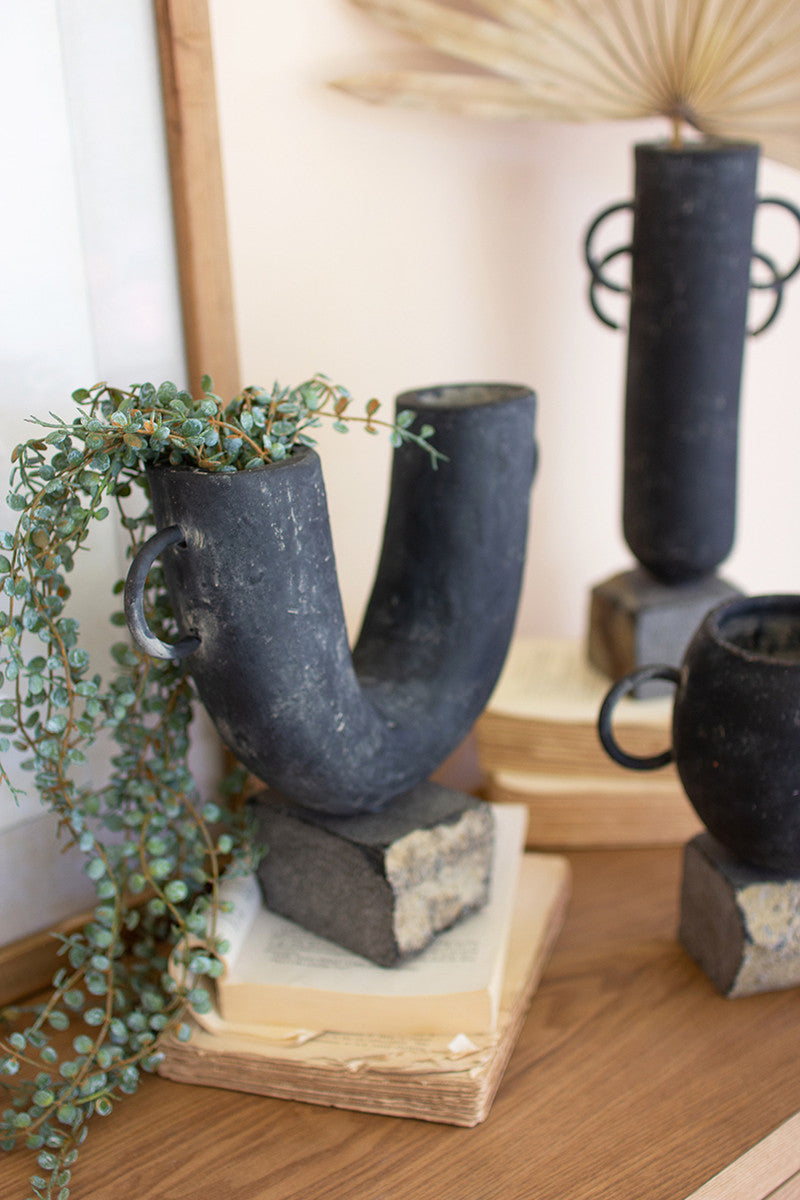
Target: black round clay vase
<point x="735" y="727"/>
<point x="250" y="571"/>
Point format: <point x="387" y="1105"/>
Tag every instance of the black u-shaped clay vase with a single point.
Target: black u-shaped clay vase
<point x="735" y="727"/>
<point x="250" y="571"/>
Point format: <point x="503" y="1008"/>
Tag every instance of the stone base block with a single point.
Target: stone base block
<point x="741" y="924"/>
<point x="381" y="884"/>
<point x="635" y="620"/>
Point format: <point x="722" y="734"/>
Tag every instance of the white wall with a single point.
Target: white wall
<point x="88" y="292"/>
<point x="392" y="249"/>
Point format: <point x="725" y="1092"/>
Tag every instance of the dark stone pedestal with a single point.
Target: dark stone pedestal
<point x="381" y="884"/>
<point x="741" y="924"/>
<point x="635" y="620"/>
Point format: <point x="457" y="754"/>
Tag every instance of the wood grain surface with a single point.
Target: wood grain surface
<point x="633" y="1080"/>
<point x="198" y="198"/>
<point x="28" y="964"/>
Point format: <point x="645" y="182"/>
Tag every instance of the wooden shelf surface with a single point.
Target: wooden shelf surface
<point x="633" y="1080"/>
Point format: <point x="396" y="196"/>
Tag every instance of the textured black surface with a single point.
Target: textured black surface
<point x="692" y="240"/>
<point x="257" y="583"/>
<point x="736" y="728"/>
<point x="711" y="929"/>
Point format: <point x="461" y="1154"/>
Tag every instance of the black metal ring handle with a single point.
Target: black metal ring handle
<point x="596" y="265"/>
<point x="793" y="211"/>
<point x="599" y="280"/>
<point x="774" y="285"/>
<point x="621" y="688"/>
<point x="135" y="584"/>
<point x="588" y="254"/>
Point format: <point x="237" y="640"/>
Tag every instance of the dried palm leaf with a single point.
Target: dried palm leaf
<point x="727" y="68"/>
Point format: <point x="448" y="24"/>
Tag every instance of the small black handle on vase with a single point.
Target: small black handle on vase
<point x="621" y="688"/>
<point x="597" y="265"/>
<point x="779" y="279"/>
<point x="135" y="584"/>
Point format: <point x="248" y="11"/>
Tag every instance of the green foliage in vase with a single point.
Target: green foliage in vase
<point x="154" y="848"/>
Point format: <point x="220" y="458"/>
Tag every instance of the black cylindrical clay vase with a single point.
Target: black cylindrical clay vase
<point x="735" y="727"/>
<point x="255" y="592"/>
<point x="690" y="261"/>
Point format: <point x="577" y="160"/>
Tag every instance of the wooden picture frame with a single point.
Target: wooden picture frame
<point x="198" y="201"/>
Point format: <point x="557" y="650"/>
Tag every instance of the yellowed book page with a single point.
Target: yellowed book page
<point x="542" y="894"/>
<point x="591" y="812"/>
<point x="241" y="896"/>
<point x="240" y="900"/>
<point x="566" y="786"/>
<point x="551" y="679"/>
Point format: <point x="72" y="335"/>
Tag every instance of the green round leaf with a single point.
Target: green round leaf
<point x="176" y="891"/>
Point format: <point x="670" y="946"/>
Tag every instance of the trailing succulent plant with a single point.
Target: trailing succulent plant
<point x="154" y="848"/>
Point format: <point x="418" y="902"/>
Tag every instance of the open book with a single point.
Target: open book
<point x="538" y="745"/>
<point x="450" y="1077"/>
<point x="542" y="715"/>
<point x="277" y="973"/>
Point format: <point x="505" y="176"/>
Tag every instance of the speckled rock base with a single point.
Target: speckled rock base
<point x="741" y="924"/>
<point x="382" y="884"/>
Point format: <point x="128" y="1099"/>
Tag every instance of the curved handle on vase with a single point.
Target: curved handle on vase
<point x="135" y="584"/>
<point x="793" y="211"/>
<point x="773" y="285"/>
<point x="597" y="265"/>
<point x="621" y="688"/>
<point x="779" y="279"/>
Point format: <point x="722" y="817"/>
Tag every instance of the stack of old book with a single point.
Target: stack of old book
<point x="538" y="745"/>
<point x="297" y="1017"/>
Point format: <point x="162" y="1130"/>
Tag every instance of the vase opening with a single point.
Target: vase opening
<point x="764" y="629"/>
<point x="463" y="395"/>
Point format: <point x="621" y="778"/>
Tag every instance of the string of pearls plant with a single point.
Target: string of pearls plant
<point x="154" y="848"/>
